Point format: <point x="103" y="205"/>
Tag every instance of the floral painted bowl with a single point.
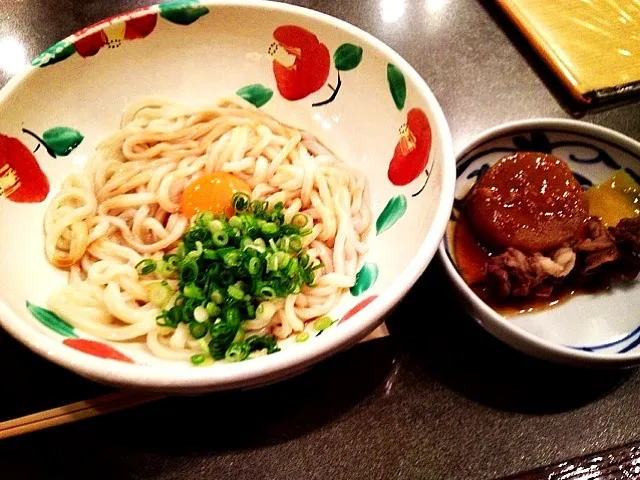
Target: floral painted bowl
<point x="593" y="329"/>
<point x="323" y="75"/>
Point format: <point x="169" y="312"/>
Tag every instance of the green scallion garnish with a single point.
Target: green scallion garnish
<point x="322" y="323"/>
<point x="197" y="330"/>
<point x="226" y="268"/>
<point x="237" y="352"/>
<point x="160" y="293"/>
<point x="198" y="359"/>
<point x="146" y="266"/>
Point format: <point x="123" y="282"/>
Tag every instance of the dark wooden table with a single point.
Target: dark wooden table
<point x="439" y="398"/>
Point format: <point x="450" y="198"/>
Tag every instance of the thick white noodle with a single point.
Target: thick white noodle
<point x="124" y="207"/>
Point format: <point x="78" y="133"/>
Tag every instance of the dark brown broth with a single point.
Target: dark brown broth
<point x="471" y="258"/>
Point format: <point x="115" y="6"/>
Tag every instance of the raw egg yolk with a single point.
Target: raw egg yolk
<point x="212" y="193"/>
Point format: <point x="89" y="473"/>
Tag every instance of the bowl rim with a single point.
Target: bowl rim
<point x="487" y="317"/>
<point x="273" y="366"/>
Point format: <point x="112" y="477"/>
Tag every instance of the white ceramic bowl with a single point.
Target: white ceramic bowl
<point x="197" y="52"/>
<point x="599" y="329"/>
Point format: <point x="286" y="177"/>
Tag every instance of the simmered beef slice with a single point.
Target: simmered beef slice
<point x="627" y="237"/>
<point x="627" y="234"/>
<point x="515" y="274"/>
<point x="598" y="248"/>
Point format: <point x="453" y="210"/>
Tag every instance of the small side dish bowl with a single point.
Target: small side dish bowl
<point x="319" y="74"/>
<point x="598" y="329"/>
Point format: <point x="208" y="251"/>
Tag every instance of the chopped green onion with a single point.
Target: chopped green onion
<point x="205" y="218"/>
<point x="225" y="277"/>
<point x="292" y="268"/>
<point x="267" y="292"/>
<point x="198" y="251"/>
<point x="295" y="243"/>
<point x="217" y="297"/>
<point x="198" y="330"/>
<point x="203" y="345"/>
<point x="302" y="337"/>
<point x="201" y="314"/>
<point x="209" y="254"/>
<point x="168" y="266"/>
<point x="237" y="352"/>
<point x="190" y="290"/>
<point x="254" y="266"/>
<point x="269" y="229"/>
<point x="174" y="316"/>
<point x="299" y="220"/>
<point x="282" y="259"/>
<point x="258" y="343"/>
<point x="222" y="334"/>
<point x="239" y="336"/>
<point x="235" y="222"/>
<point x="241" y="201"/>
<point x="187" y="313"/>
<point x="169" y="318"/>
<point x="272" y="263"/>
<point x="322" y="323"/>
<point x="232" y="316"/>
<point x="283" y="244"/>
<point x="194" y="235"/>
<point x="146" y="266"/>
<point x="232" y="259"/>
<point x="189" y="270"/>
<point x="259" y="207"/>
<point x="160" y="293"/>
<point x="212" y="309"/>
<point x="216" y="226"/>
<point x="228" y="268"/>
<point x="245" y="243"/>
<point x="235" y="291"/>
<point x="198" y="359"/>
<point x="220" y="238"/>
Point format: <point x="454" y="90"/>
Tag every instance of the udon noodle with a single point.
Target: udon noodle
<point x="124" y="207"/>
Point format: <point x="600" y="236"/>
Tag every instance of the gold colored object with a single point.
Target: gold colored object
<point x="592" y="45"/>
<point x="616" y="198"/>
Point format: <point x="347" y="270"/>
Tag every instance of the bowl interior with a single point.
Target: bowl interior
<point x="606" y="323"/>
<point x="198" y="53"/>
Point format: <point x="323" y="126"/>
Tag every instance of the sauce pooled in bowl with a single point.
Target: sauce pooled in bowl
<point x="527" y="234"/>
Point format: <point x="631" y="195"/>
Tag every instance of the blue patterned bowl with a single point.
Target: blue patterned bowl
<point x="596" y="329"/>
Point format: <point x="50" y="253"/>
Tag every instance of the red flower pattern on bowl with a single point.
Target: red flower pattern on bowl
<point x="300" y="62"/>
<point x="114" y="31"/>
<point x="412" y="151"/>
<point x="21" y="178"/>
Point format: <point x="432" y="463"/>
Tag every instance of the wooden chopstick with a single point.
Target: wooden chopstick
<point x="96" y="406"/>
<point x="74" y="412"/>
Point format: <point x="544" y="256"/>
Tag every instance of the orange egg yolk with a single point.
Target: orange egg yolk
<point x="212" y="193"/>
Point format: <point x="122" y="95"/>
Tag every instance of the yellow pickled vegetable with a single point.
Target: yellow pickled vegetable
<point x="616" y="198"/>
